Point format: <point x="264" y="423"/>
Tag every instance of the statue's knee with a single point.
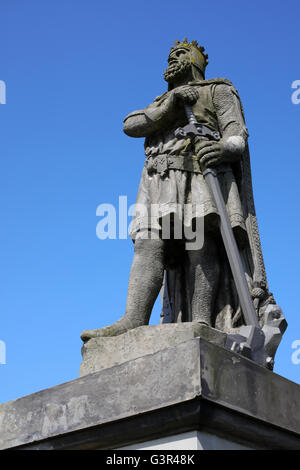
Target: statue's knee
<point x="149" y="247"/>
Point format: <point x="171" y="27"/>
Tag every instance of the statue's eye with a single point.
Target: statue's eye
<point x="176" y="55"/>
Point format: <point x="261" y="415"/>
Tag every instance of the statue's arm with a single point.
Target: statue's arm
<point x="230" y="118"/>
<point x="149" y="120"/>
<point x="231" y="126"/>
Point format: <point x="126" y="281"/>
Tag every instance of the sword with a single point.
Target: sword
<point x="255" y="334"/>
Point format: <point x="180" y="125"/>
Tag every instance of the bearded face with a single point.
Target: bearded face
<point x="179" y="65"/>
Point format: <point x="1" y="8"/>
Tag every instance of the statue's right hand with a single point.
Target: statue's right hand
<point x="186" y="94"/>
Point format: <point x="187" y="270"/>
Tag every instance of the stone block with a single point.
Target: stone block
<point x="102" y="353"/>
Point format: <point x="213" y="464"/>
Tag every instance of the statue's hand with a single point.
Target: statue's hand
<point x="212" y="153"/>
<point x="186" y="94"/>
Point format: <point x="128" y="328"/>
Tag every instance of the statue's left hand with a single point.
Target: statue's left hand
<point x="212" y="153"/>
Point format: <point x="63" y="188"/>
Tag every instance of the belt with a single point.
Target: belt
<point x="162" y="163"/>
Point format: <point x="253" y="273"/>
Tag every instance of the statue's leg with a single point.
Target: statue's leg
<point x="203" y="269"/>
<point x="145" y="281"/>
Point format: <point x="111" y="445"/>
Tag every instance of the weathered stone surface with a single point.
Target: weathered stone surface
<point x="102" y="353"/>
<point x="192" y="385"/>
<point x="147" y="383"/>
<point x="241" y="384"/>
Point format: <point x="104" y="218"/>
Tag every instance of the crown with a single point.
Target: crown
<point x="198" y="56"/>
<point x="191" y="46"/>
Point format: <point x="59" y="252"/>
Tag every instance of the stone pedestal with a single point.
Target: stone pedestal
<point x="192" y="393"/>
<point x="103" y="353"/>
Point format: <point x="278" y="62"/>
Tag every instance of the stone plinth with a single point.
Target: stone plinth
<point x="192" y="387"/>
<point x="102" y="353"/>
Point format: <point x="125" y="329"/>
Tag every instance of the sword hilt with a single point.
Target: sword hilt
<point x="190" y="114"/>
<point x="195" y="129"/>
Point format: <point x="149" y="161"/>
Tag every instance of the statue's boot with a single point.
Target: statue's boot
<point x="117" y="328"/>
<point x="145" y="282"/>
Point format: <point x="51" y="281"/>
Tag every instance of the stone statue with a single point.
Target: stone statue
<point x="198" y="283"/>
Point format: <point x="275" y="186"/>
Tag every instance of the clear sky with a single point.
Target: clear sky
<point x="73" y="69"/>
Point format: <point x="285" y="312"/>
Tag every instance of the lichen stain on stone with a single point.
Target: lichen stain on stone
<point x="54" y="419"/>
<point x="57" y="418"/>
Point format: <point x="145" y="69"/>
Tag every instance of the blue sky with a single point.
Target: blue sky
<point x="73" y="70"/>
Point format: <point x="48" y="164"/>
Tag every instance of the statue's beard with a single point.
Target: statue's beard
<point x="177" y="70"/>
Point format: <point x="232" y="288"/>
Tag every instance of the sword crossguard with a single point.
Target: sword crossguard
<point x="194" y="128"/>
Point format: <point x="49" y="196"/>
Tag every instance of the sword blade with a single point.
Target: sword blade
<point x="231" y="248"/>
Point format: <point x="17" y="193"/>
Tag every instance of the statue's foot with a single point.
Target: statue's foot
<point x="117" y="328"/>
